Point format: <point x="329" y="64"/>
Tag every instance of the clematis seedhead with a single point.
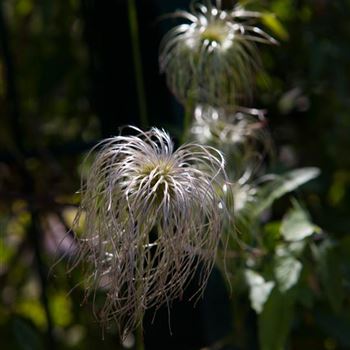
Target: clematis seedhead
<point x="213" y="57"/>
<point x="239" y="132"/>
<point x="153" y="217"/>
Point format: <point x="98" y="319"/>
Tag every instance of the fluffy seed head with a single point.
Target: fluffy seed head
<point x="212" y="58"/>
<point x="238" y="132"/>
<point x="153" y="216"/>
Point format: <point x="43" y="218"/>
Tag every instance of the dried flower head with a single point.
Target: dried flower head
<point x="153" y="216"/>
<point x="213" y="58"/>
<point x="239" y="132"/>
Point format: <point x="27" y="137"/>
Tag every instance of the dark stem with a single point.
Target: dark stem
<point x="136" y="53"/>
<point x="34" y="235"/>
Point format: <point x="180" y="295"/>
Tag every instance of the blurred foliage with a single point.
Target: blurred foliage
<point x="299" y="291"/>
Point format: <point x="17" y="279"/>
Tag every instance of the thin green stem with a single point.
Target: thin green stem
<point x="189" y="108"/>
<point x="136" y="53"/>
<point x="139" y="338"/>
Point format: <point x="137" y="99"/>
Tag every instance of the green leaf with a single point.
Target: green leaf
<point x="275" y="320"/>
<point x="296" y="225"/>
<point x="271" y="235"/>
<point x="33" y="310"/>
<point x="271" y="21"/>
<point x="329" y="266"/>
<point x="334" y="325"/>
<point x="280" y="186"/>
<point x="61" y="309"/>
<point x="287" y="272"/>
<point x="27" y="337"/>
<point x="259" y="289"/>
<point x="294" y="248"/>
<point x="24" y="7"/>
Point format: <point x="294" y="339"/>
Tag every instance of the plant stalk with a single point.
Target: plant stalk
<point x="189" y="108"/>
<point x="139" y="338"/>
<point x="136" y="53"/>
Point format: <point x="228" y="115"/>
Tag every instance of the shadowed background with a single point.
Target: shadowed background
<point x="69" y="77"/>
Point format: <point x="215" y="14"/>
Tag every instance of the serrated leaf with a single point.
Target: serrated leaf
<point x="296" y="225"/>
<point x="280" y="186"/>
<point x="287" y="272"/>
<point x="259" y="289"/>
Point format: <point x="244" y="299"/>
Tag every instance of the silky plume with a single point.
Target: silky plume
<point x="153" y="217"/>
<point x="212" y="57"/>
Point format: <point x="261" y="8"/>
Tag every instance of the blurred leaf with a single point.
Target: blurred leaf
<point x="338" y="189"/>
<point x="271" y="234"/>
<point x="288" y="100"/>
<point x="24" y="7"/>
<point x="296" y="225"/>
<point x="305" y="13"/>
<point x="338" y="326"/>
<point x="328" y="265"/>
<point x="283" y="184"/>
<point x="284" y="9"/>
<point x="287" y="272"/>
<point x="26" y="336"/>
<point x="306" y="296"/>
<point x="275" y="320"/>
<point x="293" y="248"/>
<point x="33" y="310"/>
<point x="61" y="309"/>
<point x="74" y="335"/>
<point x="259" y="289"/>
<point x="17" y="226"/>
<point x="271" y="21"/>
<point x="6" y="252"/>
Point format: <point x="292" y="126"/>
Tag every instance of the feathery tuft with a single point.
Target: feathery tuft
<point x="153" y="216"/>
<point x="213" y="58"/>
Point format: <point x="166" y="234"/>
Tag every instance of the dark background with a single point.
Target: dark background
<point x="67" y="79"/>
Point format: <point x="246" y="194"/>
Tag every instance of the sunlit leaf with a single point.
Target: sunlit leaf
<point x="271" y="21"/>
<point x="69" y="214"/>
<point x="292" y="248"/>
<point x="33" y="310"/>
<point x="259" y="289"/>
<point x="282" y="185"/>
<point x="296" y="225"/>
<point x="61" y="309"/>
<point x="287" y="272"/>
